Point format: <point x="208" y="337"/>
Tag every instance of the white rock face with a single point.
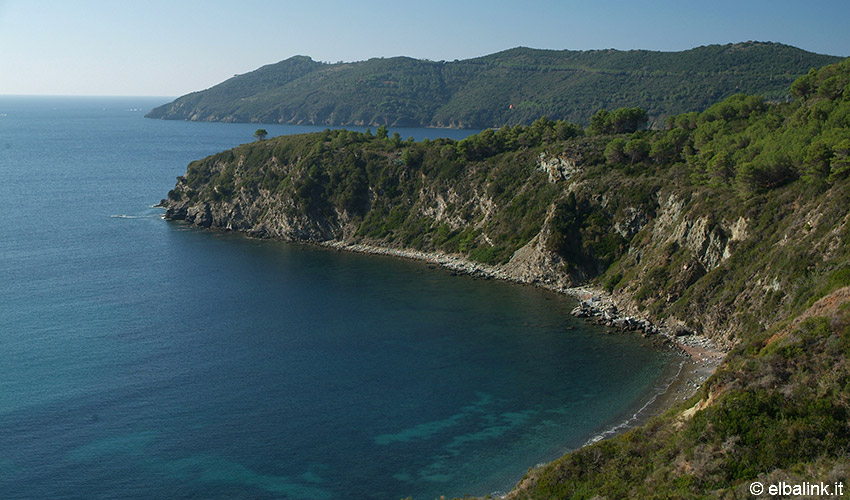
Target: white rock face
<point x="559" y="168"/>
<point x="709" y="241"/>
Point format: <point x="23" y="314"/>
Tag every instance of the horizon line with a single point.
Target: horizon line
<point x="91" y="95"/>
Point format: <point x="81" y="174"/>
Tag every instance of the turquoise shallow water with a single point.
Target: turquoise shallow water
<point x="142" y="359"/>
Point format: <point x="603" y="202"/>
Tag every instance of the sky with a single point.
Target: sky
<point x="170" y="48"/>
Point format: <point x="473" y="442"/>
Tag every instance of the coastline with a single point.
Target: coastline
<point x="699" y="357"/>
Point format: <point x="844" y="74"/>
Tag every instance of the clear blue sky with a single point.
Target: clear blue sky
<point x="169" y="48"/>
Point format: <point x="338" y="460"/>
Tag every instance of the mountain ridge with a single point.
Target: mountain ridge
<point x="514" y="86"/>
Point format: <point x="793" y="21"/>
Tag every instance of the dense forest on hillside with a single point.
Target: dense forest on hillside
<point x="732" y="222"/>
<point x="512" y="87"/>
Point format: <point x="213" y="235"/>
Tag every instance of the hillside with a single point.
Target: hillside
<point x="512" y="87"/>
<point x="730" y="223"/>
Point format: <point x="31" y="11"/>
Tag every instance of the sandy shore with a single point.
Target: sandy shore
<point x="692" y="375"/>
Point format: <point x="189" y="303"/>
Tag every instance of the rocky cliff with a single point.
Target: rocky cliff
<point x="560" y="220"/>
<point x="468" y="211"/>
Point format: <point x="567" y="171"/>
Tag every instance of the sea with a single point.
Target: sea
<point x="143" y="359"/>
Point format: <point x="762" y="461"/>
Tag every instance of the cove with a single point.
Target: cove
<point x="145" y="359"/>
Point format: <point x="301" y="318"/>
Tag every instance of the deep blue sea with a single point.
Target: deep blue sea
<point x="141" y="359"/>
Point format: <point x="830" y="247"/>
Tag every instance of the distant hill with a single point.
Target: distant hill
<point x="515" y="86"/>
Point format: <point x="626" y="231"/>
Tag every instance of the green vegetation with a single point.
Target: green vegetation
<point x="733" y="219"/>
<point x="622" y="121"/>
<point x="515" y="86"/>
